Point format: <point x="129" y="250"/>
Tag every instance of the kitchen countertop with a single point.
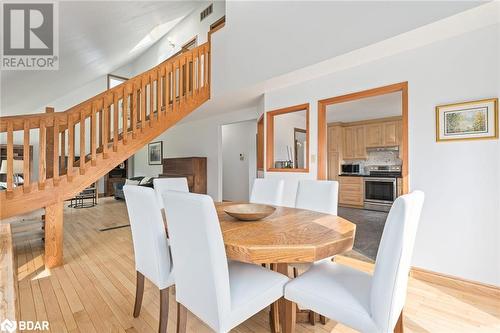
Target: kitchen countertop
<point x="366" y="176"/>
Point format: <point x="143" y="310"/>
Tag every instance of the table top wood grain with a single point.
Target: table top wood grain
<point x="289" y="235"/>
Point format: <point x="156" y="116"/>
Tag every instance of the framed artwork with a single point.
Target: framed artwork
<point x="467" y="121"/>
<point x="155" y="153"/>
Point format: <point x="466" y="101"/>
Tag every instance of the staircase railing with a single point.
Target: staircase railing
<point x="72" y="141"/>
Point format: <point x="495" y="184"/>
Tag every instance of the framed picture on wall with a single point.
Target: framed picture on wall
<point x="467" y="121"/>
<point x="155" y="153"/>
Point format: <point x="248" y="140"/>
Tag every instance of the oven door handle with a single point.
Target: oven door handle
<point x="375" y="179"/>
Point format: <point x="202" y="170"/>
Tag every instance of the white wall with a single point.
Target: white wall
<point x="238" y="175"/>
<point x="460" y="226"/>
<point x="201" y="138"/>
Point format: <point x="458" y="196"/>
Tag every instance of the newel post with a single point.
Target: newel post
<point x="54" y="234"/>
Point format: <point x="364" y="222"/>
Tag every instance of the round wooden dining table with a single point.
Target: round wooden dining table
<point x="288" y="236"/>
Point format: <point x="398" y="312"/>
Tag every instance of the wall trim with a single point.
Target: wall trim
<point x="455" y="282"/>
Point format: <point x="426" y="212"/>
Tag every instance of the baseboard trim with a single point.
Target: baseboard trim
<point x="455" y="282"/>
<point x="421" y="274"/>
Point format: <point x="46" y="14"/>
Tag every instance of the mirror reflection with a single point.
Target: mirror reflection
<point x="290" y="139"/>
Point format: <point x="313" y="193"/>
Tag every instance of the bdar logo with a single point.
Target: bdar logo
<point x="8" y="326"/>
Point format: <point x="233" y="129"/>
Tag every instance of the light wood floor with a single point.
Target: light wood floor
<point x="94" y="290"/>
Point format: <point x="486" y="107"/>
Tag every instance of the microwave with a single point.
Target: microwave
<point x="350" y="168"/>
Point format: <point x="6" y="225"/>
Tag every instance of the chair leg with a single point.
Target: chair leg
<point x="399" y="328"/>
<point x="139" y="292"/>
<point x="181" y="318"/>
<point x="312" y="319"/>
<point x="322" y="319"/>
<point x="163" y="311"/>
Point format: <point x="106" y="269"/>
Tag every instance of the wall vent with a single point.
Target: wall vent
<point x="207" y="11"/>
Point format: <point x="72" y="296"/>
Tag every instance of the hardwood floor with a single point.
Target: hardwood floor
<point x="94" y="290"/>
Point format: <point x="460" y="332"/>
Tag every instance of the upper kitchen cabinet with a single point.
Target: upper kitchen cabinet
<point x="354" y="146"/>
<point x="374" y="135"/>
<point x="392" y="130"/>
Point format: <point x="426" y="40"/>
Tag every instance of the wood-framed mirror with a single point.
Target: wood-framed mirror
<point x="287" y="142"/>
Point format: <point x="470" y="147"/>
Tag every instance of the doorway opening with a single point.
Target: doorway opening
<point x="363" y="144"/>
<point x="239" y="160"/>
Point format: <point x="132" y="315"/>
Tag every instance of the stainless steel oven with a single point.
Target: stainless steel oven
<point x="380" y="193"/>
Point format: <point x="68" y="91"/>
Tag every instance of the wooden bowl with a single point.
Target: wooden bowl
<point x="249" y="212"/>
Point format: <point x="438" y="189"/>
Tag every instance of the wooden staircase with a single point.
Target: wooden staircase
<point x="105" y="129"/>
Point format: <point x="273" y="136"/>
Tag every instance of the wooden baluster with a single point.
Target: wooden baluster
<point x="71" y="148"/>
<point x="151" y="99"/>
<point x="10" y="157"/>
<point x="125" y="114"/>
<point x="206" y="70"/>
<point x="41" y="155"/>
<point x="181" y="81"/>
<point x="190" y="73"/>
<point x="143" y="104"/>
<point x="159" y="100"/>
<point x="105" y="126"/>
<point x="167" y="87"/>
<point x="82" y="141"/>
<point x="115" y="122"/>
<point x="198" y="77"/>
<point x="93" y="127"/>
<point x="63" y="150"/>
<point x="133" y="113"/>
<point x="55" y="159"/>
<point x="26" y="157"/>
<point x="174" y="86"/>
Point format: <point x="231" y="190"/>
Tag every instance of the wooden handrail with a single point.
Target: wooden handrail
<point x="108" y="125"/>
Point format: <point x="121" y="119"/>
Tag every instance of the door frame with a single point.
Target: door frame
<point x="322" y="125"/>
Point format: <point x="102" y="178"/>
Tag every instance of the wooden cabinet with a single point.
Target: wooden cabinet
<point x="351" y="191"/>
<point x="374" y="135"/>
<point x="334" y="139"/>
<point x="354" y="146"/>
<point x="333" y="165"/>
<point x="391" y="133"/>
<point x="193" y="168"/>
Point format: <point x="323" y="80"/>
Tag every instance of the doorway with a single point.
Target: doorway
<point x="239" y="151"/>
<point x="363" y="144"/>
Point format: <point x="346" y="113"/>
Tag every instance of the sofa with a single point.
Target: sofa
<point x="139" y="181"/>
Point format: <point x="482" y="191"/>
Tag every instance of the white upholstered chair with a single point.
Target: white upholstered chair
<point x="169" y="184"/>
<point x="151" y="249"/>
<point x="267" y="191"/>
<point x="222" y="294"/>
<point x="364" y="302"/>
<point x="320" y="196"/>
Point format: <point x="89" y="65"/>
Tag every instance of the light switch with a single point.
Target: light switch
<point x="313" y="158"/>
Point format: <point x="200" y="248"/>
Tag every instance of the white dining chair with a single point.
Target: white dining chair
<point x="169" y="184"/>
<point x="151" y="249"/>
<point x="222" y="294"/>
<point x="267" y="191"/>
<point x="364" y="302"/>
<point x="320" y="196"/>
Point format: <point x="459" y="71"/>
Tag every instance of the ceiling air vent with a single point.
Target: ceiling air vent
<point x="207" y="11"/>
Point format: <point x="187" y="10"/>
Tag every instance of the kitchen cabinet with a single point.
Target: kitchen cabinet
<point x="334" y="138"/>
<point x="333" y="165"/>
<point x="354" y="146"/>
<point x="374" y="135"/>
<point x="391" y="133"/>
<point x="351" y="191"/>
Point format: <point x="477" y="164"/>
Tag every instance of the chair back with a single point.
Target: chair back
<point x="199" y="256"/>
<point x="151" y="250"/>
<point x="318" y="195"/>
<point x="394" y="255"/>
<point x="267" y="191"/>
<point x="169" y="184"/>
